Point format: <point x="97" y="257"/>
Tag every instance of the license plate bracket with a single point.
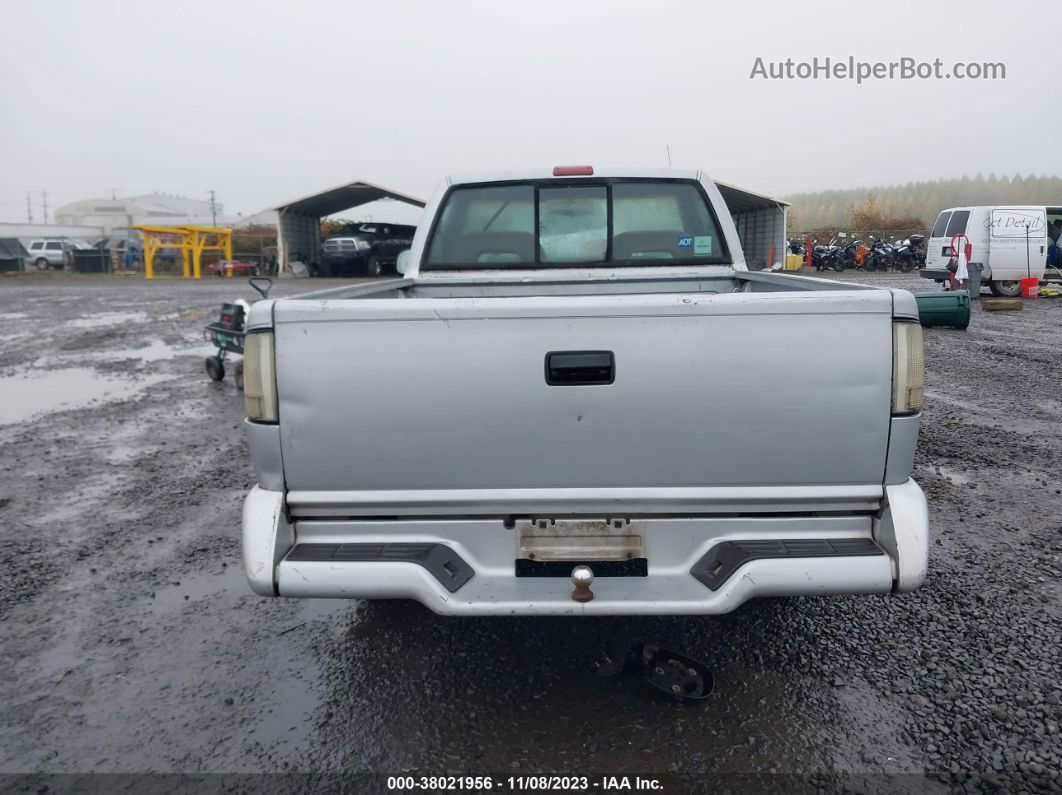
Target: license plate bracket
<point x="550" y="539"/>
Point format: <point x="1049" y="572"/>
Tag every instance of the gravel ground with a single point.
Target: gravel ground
<point x="131" y="643"/>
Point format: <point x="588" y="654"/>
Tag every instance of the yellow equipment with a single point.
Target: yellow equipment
<point x="191" y="241"/>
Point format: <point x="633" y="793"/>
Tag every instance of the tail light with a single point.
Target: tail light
<point x="259" y="377"/>
<point x="908" y="368"/>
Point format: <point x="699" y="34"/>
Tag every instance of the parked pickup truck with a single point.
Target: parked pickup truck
<point x="578" y="379"/>
<point x="371" y="249"/>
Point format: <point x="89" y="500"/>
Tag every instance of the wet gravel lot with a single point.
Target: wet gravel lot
<point x="131" y="644"/>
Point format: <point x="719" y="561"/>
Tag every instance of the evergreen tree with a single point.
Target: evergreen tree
<point x="922" y="200"/>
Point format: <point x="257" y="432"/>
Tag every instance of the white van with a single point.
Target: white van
<point x="1009" y="242"/>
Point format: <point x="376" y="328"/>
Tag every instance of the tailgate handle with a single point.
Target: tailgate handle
<point x="580" y="368"/>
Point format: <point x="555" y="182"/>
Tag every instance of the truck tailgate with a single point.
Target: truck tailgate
<point x="437" y="405"/>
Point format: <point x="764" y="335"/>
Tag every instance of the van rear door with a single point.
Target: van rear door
<point x="1018" y="242"/>
<point x="937" y="251"/>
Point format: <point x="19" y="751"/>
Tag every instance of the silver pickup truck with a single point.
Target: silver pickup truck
<point x="578" y="379"/>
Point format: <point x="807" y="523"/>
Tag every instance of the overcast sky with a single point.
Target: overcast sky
<point x="268" y="101"/>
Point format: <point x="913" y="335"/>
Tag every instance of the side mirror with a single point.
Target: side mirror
<point x="402" y="262"/>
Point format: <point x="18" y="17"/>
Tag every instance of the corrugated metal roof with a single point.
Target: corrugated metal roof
<point x="344" y="197"/>
<point x="11" y="248"/>
<point x="740" y="200"/>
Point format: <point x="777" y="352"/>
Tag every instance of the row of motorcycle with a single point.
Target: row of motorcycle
<point x="876" y="255"/>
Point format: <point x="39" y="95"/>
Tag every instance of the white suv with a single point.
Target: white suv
<point x="51" y="253"/>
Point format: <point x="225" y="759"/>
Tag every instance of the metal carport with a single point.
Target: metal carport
<point x="761" y="223"/>
<point x="299" y="222"/>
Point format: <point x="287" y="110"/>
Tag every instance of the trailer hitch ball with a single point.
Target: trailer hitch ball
<point x="582" y="579"/>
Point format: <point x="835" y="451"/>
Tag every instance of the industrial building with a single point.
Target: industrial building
<point x="114" y="216"/>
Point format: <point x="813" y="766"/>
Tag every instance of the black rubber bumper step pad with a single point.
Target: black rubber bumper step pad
<point x="722" y="560"/>
<point x="441" y="562"/>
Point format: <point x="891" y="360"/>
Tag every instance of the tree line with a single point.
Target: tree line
<point x="914" y="205"/>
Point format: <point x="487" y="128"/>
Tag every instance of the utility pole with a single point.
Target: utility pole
<point x="213" y="210"/>
<point x="29" y="209"/>
<point x="44" y="203"/>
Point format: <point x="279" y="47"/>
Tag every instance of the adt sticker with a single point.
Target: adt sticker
<point x="685" y="242"/>
<point x="702" y="245"/>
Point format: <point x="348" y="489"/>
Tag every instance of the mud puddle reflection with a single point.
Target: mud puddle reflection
<point x="105" y="319"/>
<point x="155" y="351"/>
<point x="285" y="718"/>
<point x="519" y="694"/>
<point x="34" y="393"/>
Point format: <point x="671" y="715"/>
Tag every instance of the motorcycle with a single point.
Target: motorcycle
<point x="828" y="257"/>
<point x="910" y="253"/>
<point x="881" y="257"/>
<point x="850" y="255"/>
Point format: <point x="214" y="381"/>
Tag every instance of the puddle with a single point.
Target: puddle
<point x="1011" y="418"/>
<point x="70" y="513"/>
<point x="155" y="351"/>
<point x="31" y="394"/>
<point x="108" y="319"/>
<point x="539" y="670"/>
<point x="288" y="725"/>
<point x="196" y="588"/>
<point x="55" y="662"/>
<point x="285" y="721"/>
<point x="312" y="609"/>
<point x="958" y="478"/>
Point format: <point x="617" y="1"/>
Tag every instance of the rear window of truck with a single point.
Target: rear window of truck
<point x="586" y="223"/>
<point x="941" y="224"/>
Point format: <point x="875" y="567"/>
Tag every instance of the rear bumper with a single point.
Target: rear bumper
<point x="467" y="566"/>
<point x="935" y="274"/>
<point x="352" y="258"/>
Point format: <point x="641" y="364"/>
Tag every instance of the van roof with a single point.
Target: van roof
<point x="992" y="207"/>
